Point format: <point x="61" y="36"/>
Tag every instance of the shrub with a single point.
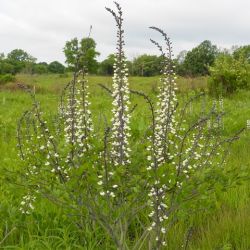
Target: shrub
<point x="138" y="190"/>
<point x="6" y="67"/>
<point x="40" y="68"/>
<point x="6" y="78"/>
<point x="229" y="75"/>
<point x="243" y="51"/>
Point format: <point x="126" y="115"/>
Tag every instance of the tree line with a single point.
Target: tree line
<point x="19" y="61"/>
<point x="196" y="62"/>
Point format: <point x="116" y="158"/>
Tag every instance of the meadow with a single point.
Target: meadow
<point x="48" y="228"/>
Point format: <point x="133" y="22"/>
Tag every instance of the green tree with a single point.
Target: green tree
<point x="146" y="65"/>
<point x="243" y="51"/>
<point x="71" y="51"/>
<point x="20" y="60"/>
<point x="198" y="60"/>
<point x="20" y="56"/>
<point x="56" y="67"/>
<point x="106" y="66"/>
<point x="81" y="54"/>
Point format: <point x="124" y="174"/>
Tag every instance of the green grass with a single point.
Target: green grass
<point x="49" y="228"/>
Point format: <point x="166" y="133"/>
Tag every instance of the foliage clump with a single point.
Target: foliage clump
<point x="229" y="74"/>
<point x="6" y="78"/>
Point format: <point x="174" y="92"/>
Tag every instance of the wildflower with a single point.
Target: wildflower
<point x="121" y="118"/>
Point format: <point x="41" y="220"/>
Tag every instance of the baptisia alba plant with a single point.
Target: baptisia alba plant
<point x="138" y="190"/>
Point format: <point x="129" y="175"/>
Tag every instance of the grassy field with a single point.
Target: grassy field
<point x="48" y="228"/>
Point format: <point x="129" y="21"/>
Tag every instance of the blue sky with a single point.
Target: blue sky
<point x="41" y="27"/>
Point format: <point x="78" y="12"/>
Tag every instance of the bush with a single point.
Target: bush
<point x="229" y="75"/>
<point x="243" y="51"/>
<point x="6" y="67"/>
<point x="138" y="189"/>
<point x="6" y="78"/>
<point x="40" y="69"/>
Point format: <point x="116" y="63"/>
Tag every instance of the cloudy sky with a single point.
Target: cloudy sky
<point x="41" y="27"/>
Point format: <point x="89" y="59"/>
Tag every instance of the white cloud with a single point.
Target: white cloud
<point x="41" y="27"/>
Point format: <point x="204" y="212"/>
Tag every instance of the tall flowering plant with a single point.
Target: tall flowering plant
<point x="76" y="118"/>
<point x="182" y="156"/>
<point x="52" y="151"/>
<point x="162" y="148"/>
<point x="120" y="131"/>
